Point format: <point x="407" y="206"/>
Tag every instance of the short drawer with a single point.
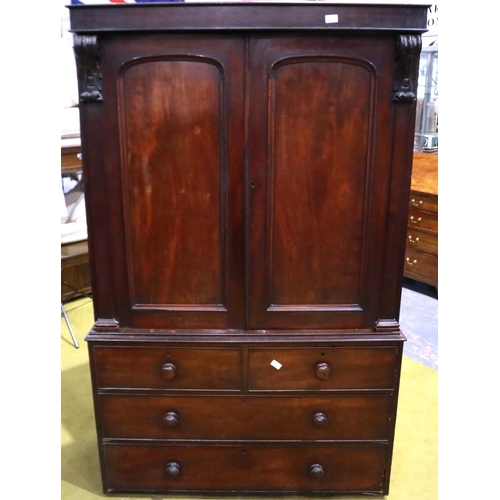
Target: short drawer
<point x="424" y="201"/>
<point x="316" y="369"/>
<point x="423" y="240"/>
<point x="242" y="468"/>
<point x="247" y="418"/>
<point x="422" y="220"/>
<point x="167" y="368"/>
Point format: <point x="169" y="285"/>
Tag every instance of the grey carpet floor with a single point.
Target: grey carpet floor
<point x="419" y="323"/>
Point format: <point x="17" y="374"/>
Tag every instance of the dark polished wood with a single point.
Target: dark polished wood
<point x="240" y="16"/>
<point x="178" y="180"/>
<point x="320" y="420"/>
<point x="144" y="367"/>
<point x="316" y="262"/>
<point x="347" y="468"/>
<point x="247" y="181"/>
<point x="89" y="73"/>
<point x="247" y="417"/>
<point x="168" y="371"/>
<point x="344" y="368"/>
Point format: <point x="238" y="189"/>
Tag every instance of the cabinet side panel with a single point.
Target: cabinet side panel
<point x="320" y="140"/>
<point x="173" y="172"/>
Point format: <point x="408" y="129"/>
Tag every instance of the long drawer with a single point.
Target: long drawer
<point x="422" y="240"/>
<point x="421" y="266"/>
<point x="424" y="201"/>
<point x="240" y="468"/>
<point x="317" y="369"/>
<point x="247" y="418"/>
<point x="422" y="220"/>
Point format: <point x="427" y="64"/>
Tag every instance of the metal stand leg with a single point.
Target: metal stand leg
<point x="76" y="290"/>
<point x="69" y="326"/>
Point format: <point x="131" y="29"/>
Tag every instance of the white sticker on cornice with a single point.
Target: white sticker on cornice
<point x="331" y="18"/>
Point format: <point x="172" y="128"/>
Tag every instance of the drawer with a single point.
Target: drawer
<point x="421" y="265"/>
<point x="316" y="369"/>
<point x="423" y="240"/>
<point x="240" y="468"/>
<point x="422" y="220"/>
<point x="167" y="368"/>
<point x="424" y="201"/>
<point x="247" y="418"/>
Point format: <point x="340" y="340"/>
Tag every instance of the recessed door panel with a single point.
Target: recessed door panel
<point x="318" y="168"/>
<point x="174" y="190"/>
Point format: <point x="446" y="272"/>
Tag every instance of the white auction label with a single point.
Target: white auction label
<point x="332" y="18"/>
<point x="276" y="364"/>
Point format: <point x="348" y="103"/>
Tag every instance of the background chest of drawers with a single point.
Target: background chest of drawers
<point x="247" y="173"/>
<point x="421" y="261"/>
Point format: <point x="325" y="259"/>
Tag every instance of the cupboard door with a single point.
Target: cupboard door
<point x="319" y="156"/>
<point x="176" y="181"/>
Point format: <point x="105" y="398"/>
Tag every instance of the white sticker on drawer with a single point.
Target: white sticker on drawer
<point x="331" y="18"/>
<point x="276" y="364"/>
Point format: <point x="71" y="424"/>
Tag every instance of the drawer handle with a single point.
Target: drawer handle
<point x="415" y="221"/>
<point x="320" y="420"/>
<point x="416" y="203"/>
<point x="409" y="262"/>
<point x="171" y="419"/>
<point x="173" y="469"/>
<point x="168" y="371"/>
<point x="323" y="371"/>
<point x="413" y="240"/>
<point x="316" y="470"/>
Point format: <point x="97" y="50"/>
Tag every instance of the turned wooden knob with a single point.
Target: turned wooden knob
<point x="320" y="420"/>
<point x="316" y="470"/>
<point x="323" y="371"/>
<point x="173" y="469"/>
<point x="171" y="419"/>
<point x="168" y="371"/>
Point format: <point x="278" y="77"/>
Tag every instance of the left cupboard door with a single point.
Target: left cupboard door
<point x="173" y="115"/>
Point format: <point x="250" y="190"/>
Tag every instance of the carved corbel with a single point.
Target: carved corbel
<point x="407" y="57"/>
<point x="89" y="74"/>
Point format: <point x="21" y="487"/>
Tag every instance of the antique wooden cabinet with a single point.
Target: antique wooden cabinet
<point x="248" y="173"/>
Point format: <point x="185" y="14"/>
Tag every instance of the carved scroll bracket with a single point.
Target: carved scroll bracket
<point x="89" y="74"/>
<point x="407" y="57"/>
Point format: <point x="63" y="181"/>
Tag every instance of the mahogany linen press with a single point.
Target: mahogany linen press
<point x="247" y="170"/>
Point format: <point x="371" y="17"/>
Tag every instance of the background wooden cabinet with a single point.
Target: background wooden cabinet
<point x="421" y="262"/>
<point x="247" y="171"/>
